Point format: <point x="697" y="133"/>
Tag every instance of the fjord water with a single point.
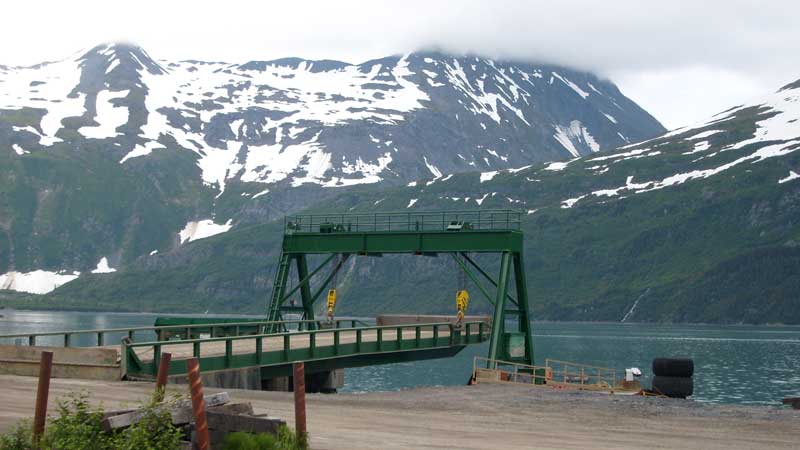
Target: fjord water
<point x="733" y="364"/>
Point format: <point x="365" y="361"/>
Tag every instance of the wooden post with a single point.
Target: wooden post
<point x="198" y="404"/>
<point x="300" y="399"/>
<point x="45" y="370"/>
<point x="161" y="380"/>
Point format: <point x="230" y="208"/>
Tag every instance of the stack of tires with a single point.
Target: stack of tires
<point x="673" y="377"/>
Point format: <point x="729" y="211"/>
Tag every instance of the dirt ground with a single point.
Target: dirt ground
<point x="476" y="417"/>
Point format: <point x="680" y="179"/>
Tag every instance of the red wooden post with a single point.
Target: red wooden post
<point x="198" y="404"/>
<point x="300" y="399"/>
<point x="161" y="379"/>
<point x="45" y="370"/>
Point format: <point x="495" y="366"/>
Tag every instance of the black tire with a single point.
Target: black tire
<point x="673" y="367"/>
<point x="675" y="387"/>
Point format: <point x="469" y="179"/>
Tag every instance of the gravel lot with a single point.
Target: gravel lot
<point x="478" y="417"/>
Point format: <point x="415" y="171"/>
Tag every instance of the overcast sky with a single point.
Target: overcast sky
<point x="681" y="60"/>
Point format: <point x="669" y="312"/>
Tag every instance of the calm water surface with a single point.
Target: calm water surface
<point x="733" y="364"/>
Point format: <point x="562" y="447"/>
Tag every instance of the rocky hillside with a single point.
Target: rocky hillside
<point x="110" y="156"/>
<point x="701" y="224"/>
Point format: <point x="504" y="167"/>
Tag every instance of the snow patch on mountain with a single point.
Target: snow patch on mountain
<point x="109" y="116"/>
<point x="610" y="117"/>
<point x="46" y="86"/>
<point x="576" y="132"/>
<point x="792" y="176"/>
<point x="572" y="85"/>
<point x="202" y="229"/>
<point x="35" y="282"/>
<point x="103" y="267"/>
<point x="433" y="169"/>
<point x="487" y="176"/>
<point x="482" y="102"/>
<point x="370" y="172"/>
<point x="558" y="166"/>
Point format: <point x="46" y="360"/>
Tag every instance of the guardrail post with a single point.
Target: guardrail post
<point x="161" y="379"/>
<point x="259" y="350"/>
<point x="359" y="337"/>
<point x="156" y="352"/>
<point x="228" y="352"/>
<point x="417" y="335"/>
<point x="286" y="346"/>
<point x="43" y="391"/>
<point x="435" y="335"/>
<point x="336" y="341"/>
<point x="198" y="404"/>
<point x="299" y="382"/>
<point x="380" y="338"/>
<point x="399" y="338"/>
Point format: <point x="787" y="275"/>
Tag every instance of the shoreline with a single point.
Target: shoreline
<point x="577" y="322"/>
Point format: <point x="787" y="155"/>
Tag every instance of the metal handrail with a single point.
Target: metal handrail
<point x="482" y="328"/>
<point x="501" y="219"/>
<point x="161" y="328"/>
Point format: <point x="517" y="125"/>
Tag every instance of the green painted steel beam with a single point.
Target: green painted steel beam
<point x="486" y="275"/>
<point x="498" y="320"/>
<point x="524" y="322"/>
<point x="413" y="242"/>
<point x="306" y="279"/>
<point x="328" y="279"/>
<point x="305" y="288"/>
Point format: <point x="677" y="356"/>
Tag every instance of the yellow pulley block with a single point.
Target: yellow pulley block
<point x="331" y="302"/>
<point x="462" y="301"/>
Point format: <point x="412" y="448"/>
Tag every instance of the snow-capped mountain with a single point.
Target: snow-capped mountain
<point x="111" y="155"/>
<point x="321" y="122"/>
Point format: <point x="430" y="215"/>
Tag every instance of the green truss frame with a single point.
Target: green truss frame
<point x="458" y="233"/>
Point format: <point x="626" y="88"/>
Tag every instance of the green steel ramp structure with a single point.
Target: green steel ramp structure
<point x="459" y="234"/>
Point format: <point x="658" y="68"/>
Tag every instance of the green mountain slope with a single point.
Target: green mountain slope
<point x="699" y="225"/>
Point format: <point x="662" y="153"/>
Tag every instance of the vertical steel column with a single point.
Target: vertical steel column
<point x="278" y="290"/>
<point x="305" y="289"/>
<point x="525" y="315"/>
<point x="498" y="326"/>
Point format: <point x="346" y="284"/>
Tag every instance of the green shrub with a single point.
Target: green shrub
<point x="19" y="438"/>
<point x="77" y="426"/>
<point x="286" y="439"/>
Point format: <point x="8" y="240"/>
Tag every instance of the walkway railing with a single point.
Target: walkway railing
<point x="140" y="359"/>
<point x="556" y="373"/>
<point x="504" y="219"/>
<point x="566" y="372"/>
<point x="162" y="333"/>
